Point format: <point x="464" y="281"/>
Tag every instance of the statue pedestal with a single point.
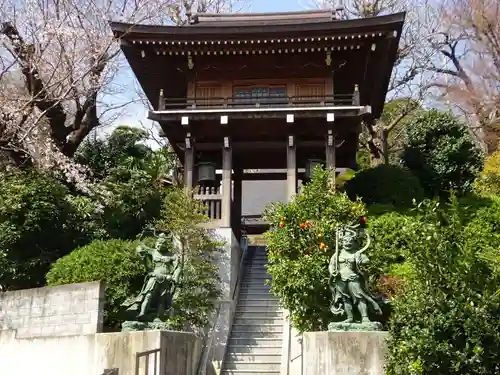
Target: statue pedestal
<point x="366" y="326"/>
<point x="132" y="325"/>
<point x="344" y="353"/>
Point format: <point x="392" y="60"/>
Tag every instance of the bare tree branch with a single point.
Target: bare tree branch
<point x="60" y="70"/>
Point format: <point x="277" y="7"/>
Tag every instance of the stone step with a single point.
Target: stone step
<point x="256" y="268"/>
<point x="256" y="280"/>
<point x="256" y="291"/>
<point x="275" y="315"/>
<point x="253" y="357"/>
<point x="255" y="288"/>
<point x="256" y="277"/>
<point x="257" y="320"/>
<point x="265" y="291"/>
<point x="255" y="349"/>
<point x="248" y="372"/>
<point x="251" y="275"/>
<point x="254" y="335"/>
<point x="270" y="306"/>
<point x="242" y="365"/>
<point x="254" y="284"/>
<point x="257" y="295"/>
<point x="264" y="328"/>
<point x="252" y="342"/>
<point x="250" y="303"/>
<point x="254" y="312"/>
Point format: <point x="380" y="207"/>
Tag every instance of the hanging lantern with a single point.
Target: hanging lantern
<point x="310" y="165"/>
<point x="206" y="172"/>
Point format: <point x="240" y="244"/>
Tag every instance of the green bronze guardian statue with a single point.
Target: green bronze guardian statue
<point x="154" y="302"/>
<point x="348" y="282"/>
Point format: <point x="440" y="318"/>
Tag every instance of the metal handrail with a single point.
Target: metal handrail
<point x="244" y="248"/>
<point x="146" y="354"/>
<point x="267" y="101"/>
<point x="202" y="366"/>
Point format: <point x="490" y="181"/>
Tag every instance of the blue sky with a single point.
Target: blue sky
<point x="136" y="114"/>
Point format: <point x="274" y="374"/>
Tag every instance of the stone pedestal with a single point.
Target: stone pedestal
<point x="344" y="353"/>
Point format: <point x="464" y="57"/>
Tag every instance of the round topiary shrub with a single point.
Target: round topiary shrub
<point x="114" y="262"/>
<point x="441" y="153"/>
<point x="385" y="184"/>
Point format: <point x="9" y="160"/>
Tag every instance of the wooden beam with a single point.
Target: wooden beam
<point x="258" y="145"/>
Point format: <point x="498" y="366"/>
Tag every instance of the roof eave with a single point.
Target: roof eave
<point x="120" y="29"/>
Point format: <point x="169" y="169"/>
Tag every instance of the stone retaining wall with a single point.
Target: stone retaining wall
<point x="65" y="310"/>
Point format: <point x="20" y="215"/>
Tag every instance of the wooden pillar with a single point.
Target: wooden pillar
<point x="188" y="162"/>
<point x="226" y="183"/>
<point x="330" y="147"/>
<point x="291" y="169"/>
<point x="237" y="202"/>
<point x="330" y="150"/>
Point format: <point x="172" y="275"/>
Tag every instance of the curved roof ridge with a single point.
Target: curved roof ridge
<point x="324" y="14"/>
<point x="238" y="27"/>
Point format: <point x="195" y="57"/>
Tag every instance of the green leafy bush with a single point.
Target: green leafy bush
<point x="387" y="254"/>
<point x="37" y="226"/>
<point x="131" y="201"/>
<point x="385" y="184"/>
<point x="122" y="147"/>
<point x="441" y="153"/>
<point x="116" y="263"/>
<point x="300" y="243"/>
<point x="447" y="320"/>
<point x="129" y="176"/>
<point x="113" y="261"/>
<point x="200" y="285"/>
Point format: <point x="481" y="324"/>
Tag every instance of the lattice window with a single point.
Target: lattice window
<point x="310" y="92"/>
<point x="250" y="94"/>
<point x="206" y="94"/>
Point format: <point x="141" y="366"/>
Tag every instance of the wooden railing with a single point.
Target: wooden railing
<point x="211" y="197"/>
<point x="151" y="360"/>
<point x="256" y="102"/>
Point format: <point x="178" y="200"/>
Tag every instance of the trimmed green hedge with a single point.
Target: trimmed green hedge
<point x="387" y="185"/>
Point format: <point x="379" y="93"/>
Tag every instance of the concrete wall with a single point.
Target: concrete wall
<point x="292" y="350"/>
<point x="229" y="267"/>
<point x="344" y="353"/>
<point x="58" y="311"/>
<point x="92" y="354"/>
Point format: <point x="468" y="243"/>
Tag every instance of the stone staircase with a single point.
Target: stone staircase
<point x="255" y="343"/>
